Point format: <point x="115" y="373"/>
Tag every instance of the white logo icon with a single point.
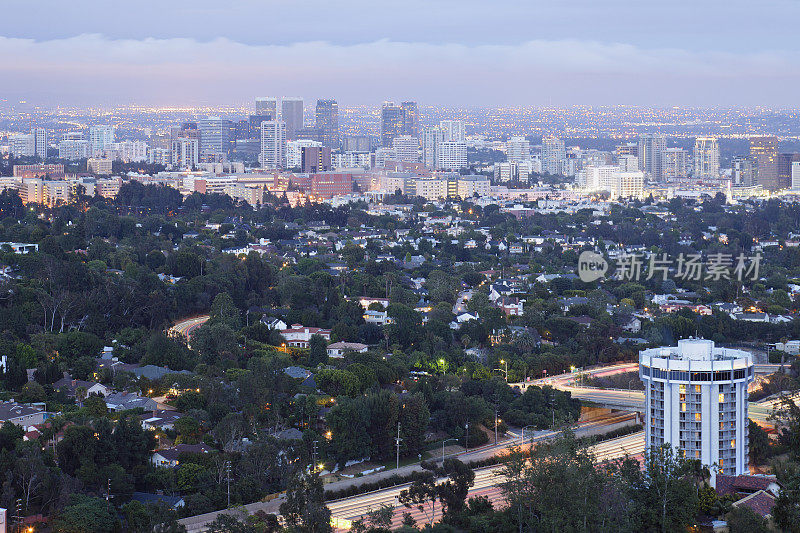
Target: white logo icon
<point x="591" y="266"/>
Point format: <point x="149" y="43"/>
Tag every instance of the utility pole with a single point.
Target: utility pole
<point x="495" y="424"/>
<point x="466" y="438"/>
<point x="314" y="455"/>
<point x="19" y="514"/>
<point x="397" y="440"/>
<point x="108" y="493"/>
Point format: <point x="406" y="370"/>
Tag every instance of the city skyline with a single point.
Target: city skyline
<point x="457" y="54"/>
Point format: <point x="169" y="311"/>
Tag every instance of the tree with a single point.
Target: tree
<point x="96" y="406"/>
<point x="84" y="514"/>
<point x="224" y="311"/>
<point x="453" y="491"/>
<point x="376" y="521"/>
<point x="318" y="350"/>
<point x="759" y="443"/>
<point x="787" y="505"/>
<point x="304" y="509"/>
<point x="422" y="493"/>
<point x="742" y="519"/>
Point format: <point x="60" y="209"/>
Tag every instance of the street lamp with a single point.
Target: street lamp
<point x="505" y="363"/>
<point x="443" y="443"/>
<point x="523" y="434"/>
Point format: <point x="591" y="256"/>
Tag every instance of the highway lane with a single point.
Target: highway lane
<point x="486" y="483"/>
<point x="185" y="328"/>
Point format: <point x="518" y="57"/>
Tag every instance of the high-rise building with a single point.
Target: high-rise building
<point x="696" y="400"/>
<point x="327" y="120"/>
<point x="554" y="154"/>
<point x="706" y="158"/>
<point x="631" y="148"/>
<point x="316" y="159"/>
<point x="72" y="149"/>
<point x="100" y="137"/>
<point x="518" y="149"/>
<point x="743" y="171"/>
<point x="410" y="119"/>
<point x="273" y="144"/>
<point x="292" y="115"/>
<point x="40" y="141"/>
<point x="796" y="175"/>
<point x="267" y="105"/>
<point x="764" y="150"/>
<point x="217" y="139"/>
<point x="431" y="137"/>
<point x="453" y="130"/>
<point x="451" y="155"/>
<point x="674" y="163"/>
<point x="22" y="144"/>
<point x="784" y="163"/>
<point x="628" y="163"/>
<point x="185" y="152"/>
<point x="391" y="123"/>
<point x="406" y="147"/>
<point x="651" y="154"/>
<point x="294" y="151"/>
<point x="357" y="143"/>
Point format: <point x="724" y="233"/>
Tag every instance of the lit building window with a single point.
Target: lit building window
<point x="721" y="398"/>
<point x="697" y="416"/>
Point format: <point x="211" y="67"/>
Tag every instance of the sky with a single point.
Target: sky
<point x="441" y="52"/>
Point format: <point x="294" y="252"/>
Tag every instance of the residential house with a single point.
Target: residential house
<point x="339" y="349"/>
<point x="22" y="415"/>
<point x="299" y="336"/>
<point x="168" y="457"/>
<point x="122" y="401"/>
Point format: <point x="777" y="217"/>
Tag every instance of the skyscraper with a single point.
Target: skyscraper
<point x="99" y="138"/>
<point x="391" y="123"/>
<point x="410" y="119"/>
<point x="292" y="115"/>
<point x="674" y="163"/>
<point x="651" y="154"/>
<point x="696" y="400"/>
<point x="554" y="153"/>
<point x="706" y="158"/>
<point x="784" y="164"/>
<point x="518" y="149"/>
<point x="327" y="119"/>
<point x="431" y="137"/>
<point x="743" y="171"/>
<point x="40" y="141"/>
<point x="217" y="139"/>
<point x="451" y="155"/>
<point x="267" y="105"/>
<point x="406" y="147"/>
<point x="273" y="144"/>
<point x="764" y="150"/>
<point x="453" y="130"/>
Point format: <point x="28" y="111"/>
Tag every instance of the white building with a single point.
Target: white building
<point x="406" y="147"/>
<point x="294" y="151"/>
<point x="431" y="138"/>
<point x="554" y="153"/>
<point x="22" y="144"/>
<point x="628" y="163"/>
<point x="40" y="142"/>
<point x="674" y="163"/>
<point x="71" y="150"/>
<point x="796" y="175"/>
<point x="696" y="400"/>
<point x="273" y="144"/>
<point x="100" y="137"/>
<point x="185" y="152"/>
<point x="99" y="166"/>
<point x="453" y="130"/>
<point x="706" y="158"/>
<point x="351" y="160"/>
<point x="451" y="155"/>
<point x="470" y="186"/>
<point x="518" y="149"/>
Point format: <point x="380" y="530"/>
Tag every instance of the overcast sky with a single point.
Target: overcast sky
<point x="459" y="52"/>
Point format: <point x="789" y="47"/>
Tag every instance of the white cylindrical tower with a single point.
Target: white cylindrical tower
<point x="696" y="400"/>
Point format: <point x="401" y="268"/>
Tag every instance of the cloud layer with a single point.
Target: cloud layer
<point x="92" y="67"/>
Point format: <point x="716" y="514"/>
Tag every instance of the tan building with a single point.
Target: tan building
<point x="98" y="166"/>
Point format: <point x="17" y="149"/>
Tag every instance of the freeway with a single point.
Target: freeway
<point x="487" y="482"/>
<point x="185" y="328"/>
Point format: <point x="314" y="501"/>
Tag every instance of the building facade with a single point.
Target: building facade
<point x="696" y="400"/>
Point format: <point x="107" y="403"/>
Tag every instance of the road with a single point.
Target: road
<point x="186" y="327"/>
<point x="487" y="482"/>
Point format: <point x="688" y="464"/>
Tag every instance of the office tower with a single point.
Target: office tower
<point x="357" y="143"/>
<point x="316" y="159"/>
<point x="796" y="175"/>
<point x="628" y="184"/>
<point x="391" y="123"/>
<point x="72" y="149"/>
<point x="99" y="138"/>
<point x="764" y="150"/>
<point x="674" y="163"/>
<point x="40" y="142"/>
<point x="651" y="154"/>
<point x="784" y="163"/>
<point x="628" y="163"/>
<point x="706" y="158"/>
<point x="406" y="147"/>
<point x="518" y="149"/>
<point x="217" y="139"/>
<point x="185" y="152"/>
<point x="628" y="149"/>
<point x="743" y="171"/>
<point x="22" y="144"/>
<point x="410" y="118"/>
<point x="292" y="115"/>
<point x="327" y="120"/>
<point x="554" y="154"/>
<point x="431" y="137"/>
<point x="453" y="130"/>
<point x="273" y="144"/>
<point x="267" y="105"/>
<point x="696" y="400"/>
<point x="294" y="151"/>
<point x="451" y="155"/>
